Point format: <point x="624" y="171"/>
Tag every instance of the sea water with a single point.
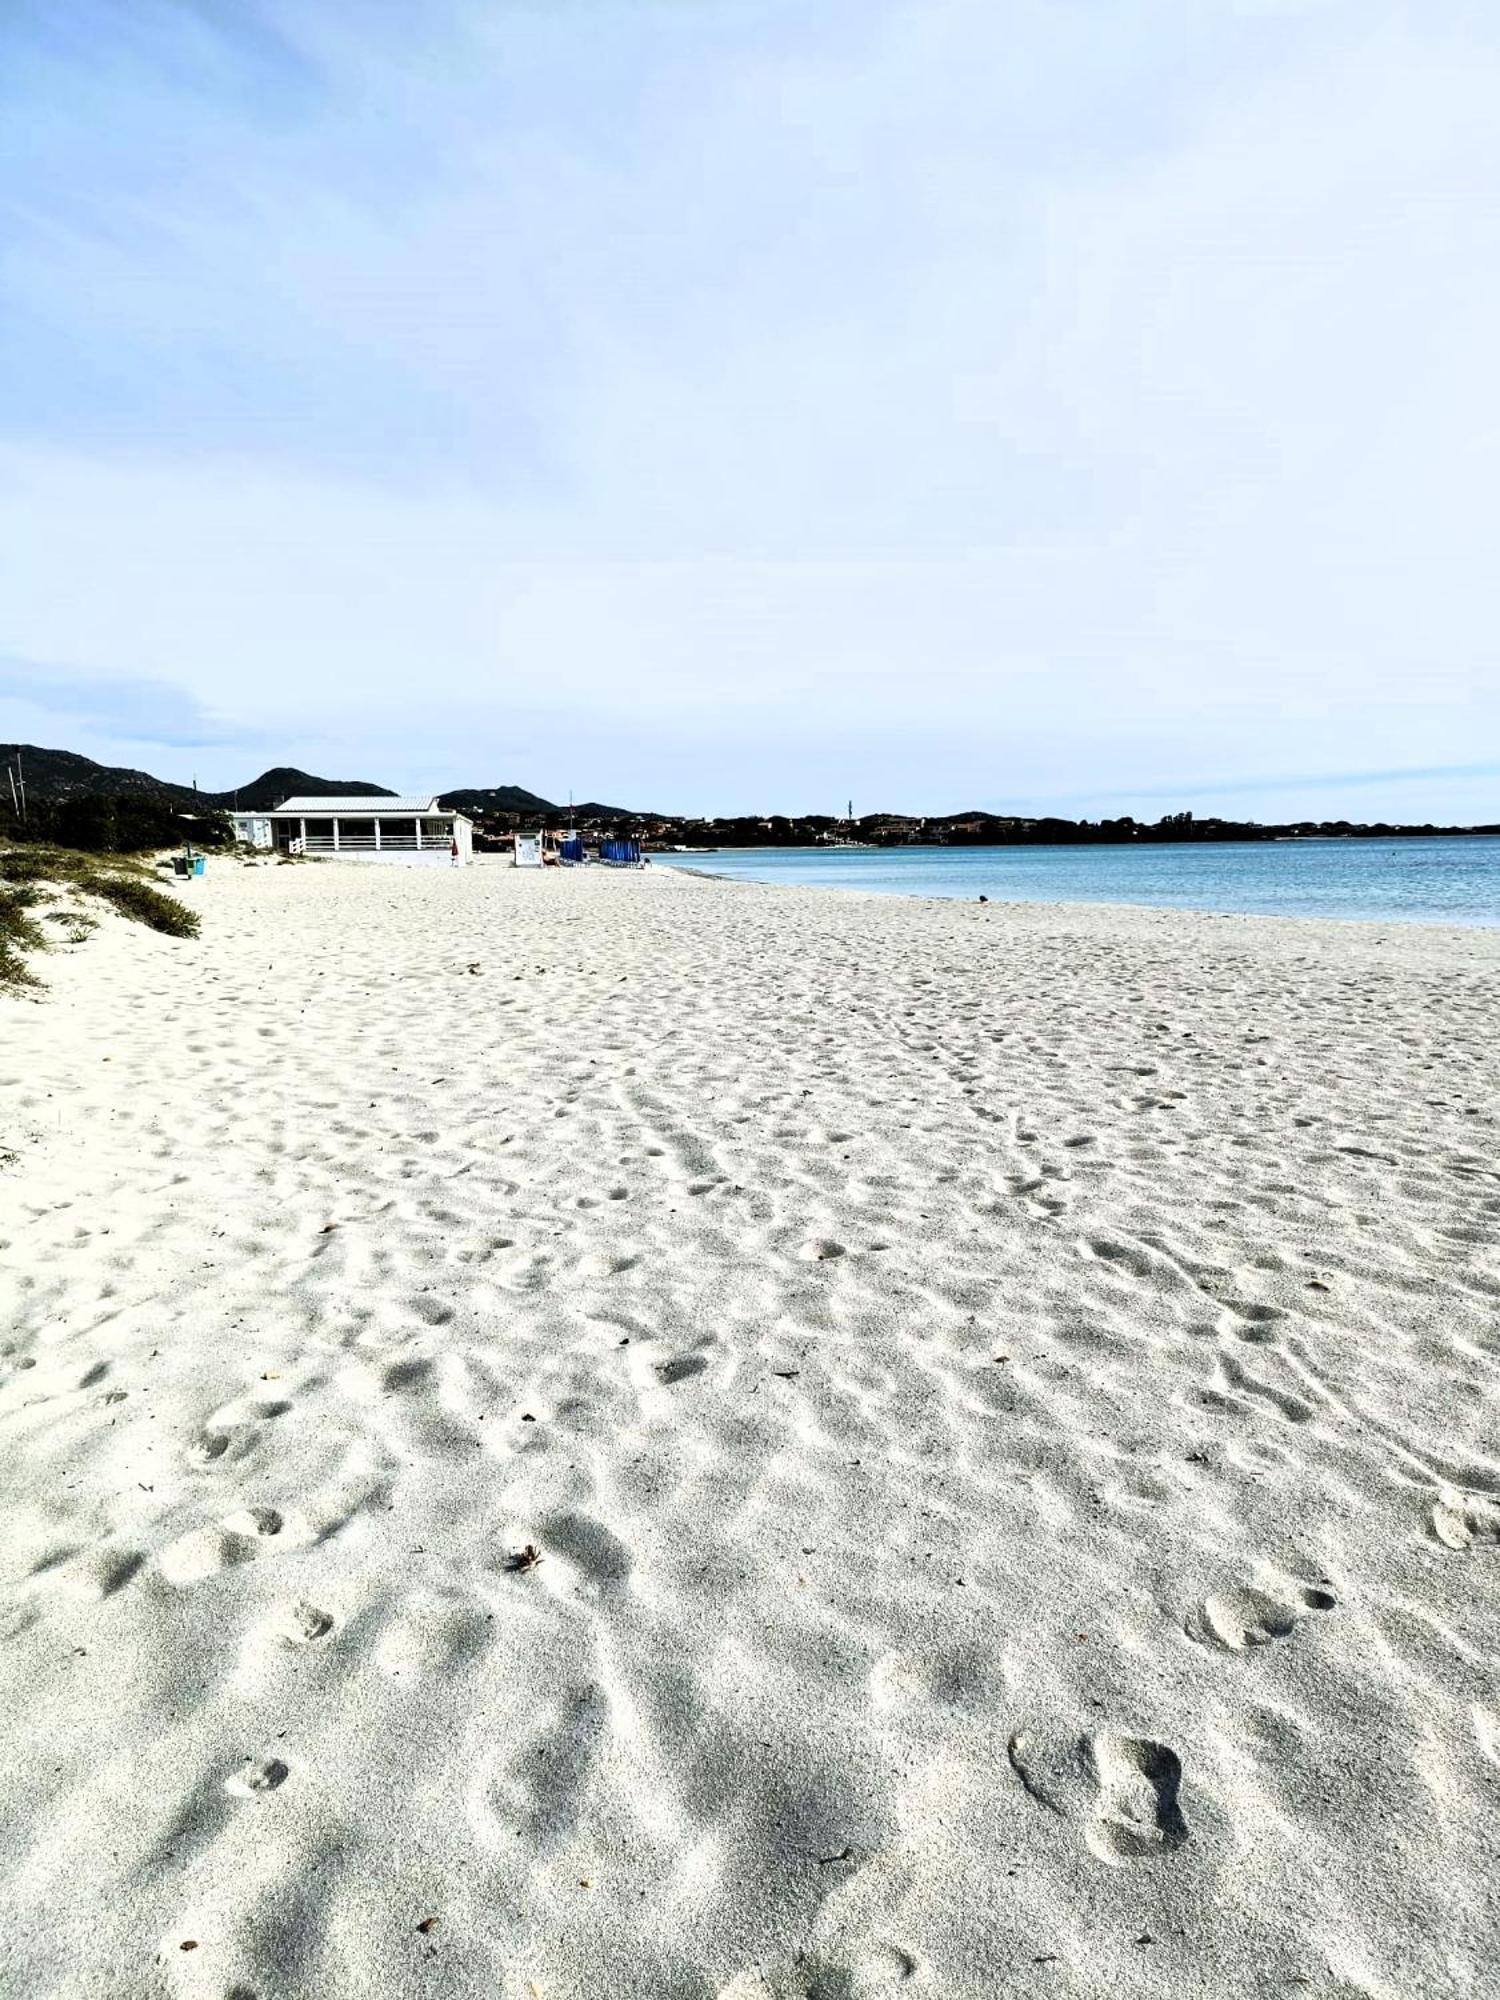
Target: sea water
<point x="1453" y="880"/>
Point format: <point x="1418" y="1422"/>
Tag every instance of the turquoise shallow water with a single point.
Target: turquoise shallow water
<point x="1453" y="881"/>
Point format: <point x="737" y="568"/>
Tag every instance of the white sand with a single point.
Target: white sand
<point x="972" y="1374"/>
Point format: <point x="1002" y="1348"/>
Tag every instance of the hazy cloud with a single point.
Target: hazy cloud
<point x="111" y="708"/>
<point x="945" y="401"/>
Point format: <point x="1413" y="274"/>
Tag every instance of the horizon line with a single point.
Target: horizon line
<point x="1030" y="805"/>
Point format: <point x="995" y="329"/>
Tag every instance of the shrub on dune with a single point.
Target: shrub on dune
<point x="19" y="934"/>
<point x="147" y="904"/>
<point x="125" y="885"/>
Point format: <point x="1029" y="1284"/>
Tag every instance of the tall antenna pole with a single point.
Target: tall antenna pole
<point x="22" y="776"/>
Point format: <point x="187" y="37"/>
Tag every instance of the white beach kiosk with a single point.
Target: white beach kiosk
<point x="412" y="832"/>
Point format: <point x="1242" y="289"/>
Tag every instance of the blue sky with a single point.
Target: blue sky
<point x="737" y="406"/>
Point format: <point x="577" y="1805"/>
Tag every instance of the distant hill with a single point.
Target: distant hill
<point x="515" y="799"/>
<point x="62" y="774"/>
<point x="54" y="775"/>
<point x="495" y="799"/>
<point x="285" y="782"/>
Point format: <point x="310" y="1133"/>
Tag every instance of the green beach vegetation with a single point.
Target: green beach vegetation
<point x="20" y="933"/>
<point x="38" y="873"/>
<point x="90" y="847"/>
<point x="117" y="823"/>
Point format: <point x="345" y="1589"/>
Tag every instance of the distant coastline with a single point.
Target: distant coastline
<point x="498" y="812"/>
<point x="897" y="830"/>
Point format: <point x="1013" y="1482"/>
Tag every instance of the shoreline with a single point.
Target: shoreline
<point x="1060" y="904"/>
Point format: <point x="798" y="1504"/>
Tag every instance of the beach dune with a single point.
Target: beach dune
<point x="588" y="1435"/>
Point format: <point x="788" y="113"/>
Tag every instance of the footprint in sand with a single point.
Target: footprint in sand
<point x="1466" y="1521"/>
<point x="300" y="1624"/>
<point x="1045" y="1194"/>
<point x="1123" y="1789"/>
<point x="681" y="1368"/>
<point x="605" y="1264"/>
<point x="409" y="1374"/>
<point x="255" y="1521"/>
<point x="599" y="1558"/>
<point x="195" y="1557"/>
<point x="255" y="1777"/>
<point x="1231" y="1379"/>
<point x="874" y="1970"/>
<point x="207" y="1447"/>
<point x="919" y="1684"/>
<point x="821" y="1250"/>
<point x="1137" y="1817"/>
<point x="1237" y="1620"/>
<point x="1259" y="1456"/>
<point x="533" y="1786"/>
<point x="100" y="1575"/>
<point x="205" y="1552"/>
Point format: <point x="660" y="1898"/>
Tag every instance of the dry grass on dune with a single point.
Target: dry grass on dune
<point x="31" y="875"/>
<point x="20" y="934"/>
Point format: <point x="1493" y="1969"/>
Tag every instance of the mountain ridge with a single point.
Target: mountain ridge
<point x="285" y="781"/>
<point x="54" y="775"/>
<point x="64" y="774"/>
<point x="494" y="798"/>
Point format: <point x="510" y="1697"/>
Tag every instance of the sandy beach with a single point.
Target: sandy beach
<point x="1004" y="1399"/>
